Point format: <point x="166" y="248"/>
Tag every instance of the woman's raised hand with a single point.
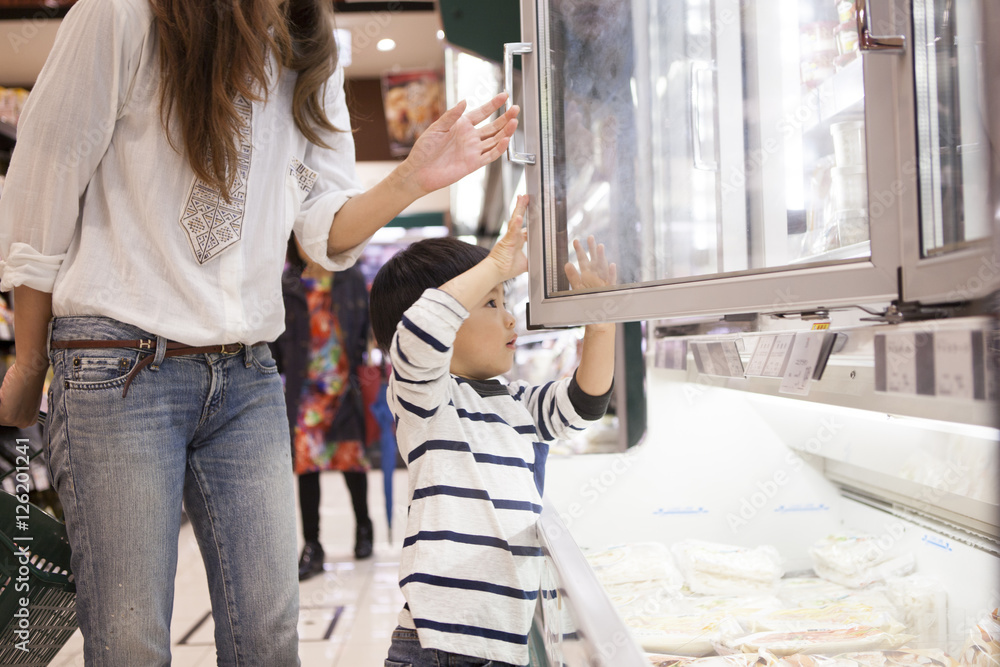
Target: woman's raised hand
<point x="453" y="147"/>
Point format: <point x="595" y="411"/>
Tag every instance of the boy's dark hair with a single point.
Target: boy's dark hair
<point x="401" y="281"/>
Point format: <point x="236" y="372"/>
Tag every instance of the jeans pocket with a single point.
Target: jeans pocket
<point x="393" y="663"/>
<point x="260" y="356"/>
<point x="93" y="369"/>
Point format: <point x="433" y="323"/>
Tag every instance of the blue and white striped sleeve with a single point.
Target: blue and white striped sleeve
<point x="559" y="407"/>
<point x="421" y="353"/>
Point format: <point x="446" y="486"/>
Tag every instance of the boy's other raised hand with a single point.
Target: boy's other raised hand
<point x="594" y="269"/>
<point x="508" y="253"/>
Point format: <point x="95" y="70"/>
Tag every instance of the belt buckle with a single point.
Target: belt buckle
<point x="146" y="344"/>
<point x="236" y="347"/>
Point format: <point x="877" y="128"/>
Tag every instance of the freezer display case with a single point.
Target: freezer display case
<point x="754" y="156"/>
<point x="853" y="523"/>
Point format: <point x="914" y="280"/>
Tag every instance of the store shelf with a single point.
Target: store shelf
<point x="843" y="92"/>
<point x="861" y="250"/>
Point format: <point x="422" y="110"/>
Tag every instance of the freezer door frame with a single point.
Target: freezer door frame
<point x="828" y="285"/>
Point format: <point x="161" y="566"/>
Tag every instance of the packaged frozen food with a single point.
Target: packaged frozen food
<point x="627" y="563"/>
<point x="666" y="660"/>
<point x="805" y="660"/>
<point x="857" y="560"/>
<point x="721" y="569"/>
<point x="642" y="598"/>
<point x="809" y="591"/>
<point x="849" y="143"/>
<point x="830" y="616"/>
<point x="827" y="642"/>
<point x="676" y="635"/>
<point x="900" y="658"/>
<point x="922" y="604"/>
<point x="982" y="645"/>
<point x="731" y="660"/>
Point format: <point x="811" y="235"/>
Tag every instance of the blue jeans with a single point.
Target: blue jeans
<point x="405" y="651"/>
<point x="207" y="429"/>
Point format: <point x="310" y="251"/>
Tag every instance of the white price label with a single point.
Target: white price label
<point x="802" y="363"/>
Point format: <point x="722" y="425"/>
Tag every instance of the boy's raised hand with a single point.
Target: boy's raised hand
<point x="508" y="253"/>
<point x="594" y="271"/>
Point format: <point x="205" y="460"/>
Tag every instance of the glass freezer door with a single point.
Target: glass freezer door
<point x="951" y="259"/>
<point x="718" y="148"/>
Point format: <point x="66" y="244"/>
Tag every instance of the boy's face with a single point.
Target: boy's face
<point x="484" y="344"/>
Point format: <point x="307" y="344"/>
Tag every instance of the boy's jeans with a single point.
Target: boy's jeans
<point x="210" y="429"/>
<point x="405" y="651"/>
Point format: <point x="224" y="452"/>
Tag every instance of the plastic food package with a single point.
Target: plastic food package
<point x="810" y="591"/>
<point x="827" y="642"/>
<point x="982" y="646"/>
<point x="831" y="616"/>
<point x="642" y="598"/>
<point x="640" y="562"/>
<point x="922" y="604"/>
<point x="677" y="635"/>
<point x="858" y="560"/>
<point x="665" y="660"/>
<point x="720" y="569"/>
<point x="900" y="658"/>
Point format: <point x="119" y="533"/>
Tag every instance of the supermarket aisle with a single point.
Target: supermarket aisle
<point x="348" y="613"/>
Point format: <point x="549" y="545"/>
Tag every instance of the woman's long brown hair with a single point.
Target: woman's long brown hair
<point x="211" y="51"/>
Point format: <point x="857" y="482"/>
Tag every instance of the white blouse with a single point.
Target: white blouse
<point x="100" y="210"/>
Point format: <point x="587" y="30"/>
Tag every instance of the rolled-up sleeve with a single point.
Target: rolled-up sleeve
<point x="63" y="133"/>
<point x="336" y="182"/>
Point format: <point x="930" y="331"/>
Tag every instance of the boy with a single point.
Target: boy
<point x="471" y="562"/>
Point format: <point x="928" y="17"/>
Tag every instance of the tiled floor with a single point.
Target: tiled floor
<point x="347" y="614"/>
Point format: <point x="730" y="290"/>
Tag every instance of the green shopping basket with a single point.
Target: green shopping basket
<point x="37" y="593"/>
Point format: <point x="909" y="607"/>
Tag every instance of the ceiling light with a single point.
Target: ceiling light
<point x="385" y="45"/>
<point x="440" y="34"/>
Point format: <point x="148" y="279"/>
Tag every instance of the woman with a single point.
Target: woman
<point x="166" y="152"/>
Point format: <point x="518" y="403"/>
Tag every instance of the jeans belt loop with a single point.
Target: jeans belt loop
<point x="161" y="349"/>
<point x="247" y="354"/>
<point x="48" y="339"/>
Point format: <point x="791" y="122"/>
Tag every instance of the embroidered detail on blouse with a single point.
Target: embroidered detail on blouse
<point x="304" y="176"/>
<point x="213" y="224"/>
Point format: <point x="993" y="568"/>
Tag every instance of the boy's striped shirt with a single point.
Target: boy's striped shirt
<point x="471" y="561"/>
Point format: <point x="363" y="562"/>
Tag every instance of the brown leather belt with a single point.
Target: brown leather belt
<point x="173" y="350"/>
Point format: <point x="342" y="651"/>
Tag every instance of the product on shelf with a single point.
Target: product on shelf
<point x="664" y="660"/>
<point x="900" y="658"/>
<point x="858" y="560"/>
<point x="922" y="605"/>
<point x="721" y="569"/>
<point x="640" y="562"/>
<point x="982" y="646"/>
<point x="830" y="616"/>
<point x="826" y="642"/>
<point x="679" y="635"/>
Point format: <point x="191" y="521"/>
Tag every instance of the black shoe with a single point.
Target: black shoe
<point x="311" y="560"/>
<point x="363" y="540"/>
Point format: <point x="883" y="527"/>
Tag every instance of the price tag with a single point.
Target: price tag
<point x="718" y="358"/>
<point x="671" y="354"/>
<point x="777" y="358"/>
<point x="802" y="362"/>
<point x="953" y="369"/>
<point x="759" y="356"/>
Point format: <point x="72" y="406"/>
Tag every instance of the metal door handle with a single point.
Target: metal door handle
<point x="700" y="163"/>
<point x="509" y="51"/>
<point x="869" y="43"/>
